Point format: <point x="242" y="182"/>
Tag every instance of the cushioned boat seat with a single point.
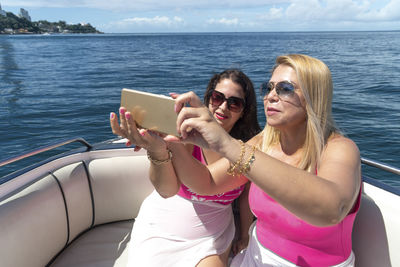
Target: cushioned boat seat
<point x="75" y="214"/>
<point x="102" y="246"/>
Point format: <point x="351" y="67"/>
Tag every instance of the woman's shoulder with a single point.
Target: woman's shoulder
<point x="340" y="145"/>
<point x="339" y="139"/>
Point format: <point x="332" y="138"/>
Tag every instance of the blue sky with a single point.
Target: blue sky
<point x="137" y="16"/>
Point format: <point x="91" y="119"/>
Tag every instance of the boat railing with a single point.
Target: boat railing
<point x="372" y="163"/>
<point x="379" y="165"/>
<point x="369" y="162"/>
<point x="46" y="148"/>
<point x="390" y="184"/>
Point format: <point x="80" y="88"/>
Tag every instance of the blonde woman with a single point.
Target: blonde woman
<point x="305" y="175"/>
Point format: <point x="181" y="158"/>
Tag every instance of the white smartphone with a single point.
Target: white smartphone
<point x="151" y="111"/>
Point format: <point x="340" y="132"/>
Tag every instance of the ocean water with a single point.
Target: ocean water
<point x="59" y="87"/>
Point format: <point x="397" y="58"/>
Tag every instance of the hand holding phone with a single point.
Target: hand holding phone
<point x="151" y="111"/>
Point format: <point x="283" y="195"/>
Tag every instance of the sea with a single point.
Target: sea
<point x="59" y="87"/>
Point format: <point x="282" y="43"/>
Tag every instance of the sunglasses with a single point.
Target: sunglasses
<point x="284" y="89"/>
<point x="235" y="104"/>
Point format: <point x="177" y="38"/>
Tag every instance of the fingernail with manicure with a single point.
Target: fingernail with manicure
<point x="111" y="115"/>
<point x="128" y="115"/>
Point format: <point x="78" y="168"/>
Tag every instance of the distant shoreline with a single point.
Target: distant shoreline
<point x="46" y="33"/>
<point x="189" y="33"/>
<point x="11" y="24"/>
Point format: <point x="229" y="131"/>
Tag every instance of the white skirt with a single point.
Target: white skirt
<point x="179" y="232"/>
<point x="256" y="255"/>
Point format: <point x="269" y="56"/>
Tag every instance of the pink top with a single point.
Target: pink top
<point x="297" y="241"/>
<point x="224" y="198"/>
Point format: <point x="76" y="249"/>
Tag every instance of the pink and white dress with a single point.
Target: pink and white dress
<point x="183" y="229"/>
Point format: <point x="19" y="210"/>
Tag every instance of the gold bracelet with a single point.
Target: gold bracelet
<point x="251" y="159"/>
<point x="159" y="162"/>
<point x="234" y="168"/>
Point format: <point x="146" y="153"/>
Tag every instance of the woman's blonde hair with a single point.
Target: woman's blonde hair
<point x="315" y="81"/>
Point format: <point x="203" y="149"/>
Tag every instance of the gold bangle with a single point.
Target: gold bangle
<point x="159" y="162"/>
<point x="234" y="168"/>
<point x="251" y="159"/>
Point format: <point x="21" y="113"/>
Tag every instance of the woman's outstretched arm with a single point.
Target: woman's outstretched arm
<point x="323" y="199"/>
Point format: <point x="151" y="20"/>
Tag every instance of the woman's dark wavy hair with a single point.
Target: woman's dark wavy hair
<point x="247" y="126"/>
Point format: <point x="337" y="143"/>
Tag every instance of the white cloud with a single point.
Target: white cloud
<point x="273" y="14"/>
<point x="311" y="11"/>
<point x="157" y="20"/>
<point x="300" y="10"/>
<point x="343" y="10"/>
<point x="146" y="24"/>
<point x="178" y="19"/>
<point x="390" y="12"/>
<point x="224" y="21"/>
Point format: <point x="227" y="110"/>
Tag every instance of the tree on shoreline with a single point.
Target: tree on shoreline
<point x="16" y="24"/>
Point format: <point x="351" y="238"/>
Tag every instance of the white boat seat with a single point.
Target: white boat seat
<point x="39" y="228"/>
<point x="102" y="246"/>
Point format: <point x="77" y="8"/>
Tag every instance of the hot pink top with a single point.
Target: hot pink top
<point x="297" y="241"/>
<point x="224" y="198"/>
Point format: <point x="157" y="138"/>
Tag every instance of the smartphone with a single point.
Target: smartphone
<point x="151" y="111"/>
